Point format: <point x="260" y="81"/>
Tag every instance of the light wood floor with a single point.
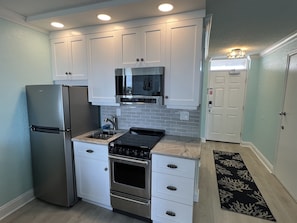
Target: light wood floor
<point x="208" y="210"/>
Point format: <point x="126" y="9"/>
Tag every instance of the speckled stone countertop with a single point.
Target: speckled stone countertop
<point x="178" y="146"/>
<point x="85" y="138"/>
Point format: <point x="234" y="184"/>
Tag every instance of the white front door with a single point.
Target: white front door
<point x="225" y="95"/>
<point x="286" y="162"/>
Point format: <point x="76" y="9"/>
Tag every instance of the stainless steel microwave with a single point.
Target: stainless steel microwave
<point x="143" y="85"/>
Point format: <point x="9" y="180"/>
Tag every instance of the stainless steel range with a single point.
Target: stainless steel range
<point x="130" y="163"/>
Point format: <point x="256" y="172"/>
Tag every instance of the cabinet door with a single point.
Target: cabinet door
<point x="69" y="58"/>
<point x="164" y="211"/>
<point x="173" y="188"/>
<point x="143" y="46"/>
<point x="129" y="48"/>
<point x="92" y="172"/>
<point x="153" y="45"/>
<point x="59" y="59"/>
<point x="183" y="58"/>
<point x="77" y="51"/>
<point x="101" y="69"/>
<point x="92" y="178"/>
<point x="173" y="166"/>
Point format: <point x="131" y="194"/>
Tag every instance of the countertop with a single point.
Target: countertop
<point x="84" y="137"/>
<point x="178" y="146"/>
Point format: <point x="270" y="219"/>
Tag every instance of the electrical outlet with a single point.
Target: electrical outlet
<point x="184" y="115"/>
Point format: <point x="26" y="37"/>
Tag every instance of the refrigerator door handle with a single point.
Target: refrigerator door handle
<point x="36" y="128"/>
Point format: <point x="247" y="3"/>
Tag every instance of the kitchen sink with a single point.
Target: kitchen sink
<point x="102" y="134"/>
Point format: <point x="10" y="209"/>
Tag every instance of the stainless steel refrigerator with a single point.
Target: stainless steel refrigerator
<point x="56" y="114"/>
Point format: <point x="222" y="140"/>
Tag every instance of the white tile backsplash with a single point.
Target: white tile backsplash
<point x="150" y="116"/>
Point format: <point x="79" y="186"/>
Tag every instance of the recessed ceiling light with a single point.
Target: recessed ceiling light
<point x="57" y="25"/>
<point x="104" y="17"/>
<point x="165" y="7"/>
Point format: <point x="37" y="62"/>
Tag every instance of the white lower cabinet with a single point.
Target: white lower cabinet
<point x="166" y="211"/>
<point x="173" y="188"/>
<point x="92" y="173"/>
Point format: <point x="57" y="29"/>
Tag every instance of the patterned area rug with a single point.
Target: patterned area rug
<point x="237" y="189"/>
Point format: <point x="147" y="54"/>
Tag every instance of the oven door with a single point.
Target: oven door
<point x="130" y="176"/>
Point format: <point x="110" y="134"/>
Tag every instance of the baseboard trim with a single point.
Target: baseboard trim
<point x="16" y="203"/>
<point x="260" y="156"/>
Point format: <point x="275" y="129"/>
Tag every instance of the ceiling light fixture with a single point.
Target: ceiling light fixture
<point x="236" y="53"/>
<point x="57" y="25"/>
<point x="165" y="7"/>
<point x="103" y="17"/>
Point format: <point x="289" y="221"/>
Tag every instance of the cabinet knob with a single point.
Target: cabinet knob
<point x="166" y="97"/>
<point x="105" y="169"/>
<point x="137" y="60"/>
<point x="70" y="73"/>
<point x="142" y="59"/>
<point x="66" y="73"/>
<point x="89" y="151"/>
<point x="170" y="213"/>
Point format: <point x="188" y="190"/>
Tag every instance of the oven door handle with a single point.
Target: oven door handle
<point x="129" y="160"/>
<point x="131" y="200"/>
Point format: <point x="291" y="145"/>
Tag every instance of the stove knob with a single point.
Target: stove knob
<point x="120" y="150"/>
<point x="135" y="153"/>
<point x="127" y="152"/>
<point x="146" y="154"/>
<point x="141" y="154"/>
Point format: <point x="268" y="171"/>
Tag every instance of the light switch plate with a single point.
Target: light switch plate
<point x="184" y="115"/>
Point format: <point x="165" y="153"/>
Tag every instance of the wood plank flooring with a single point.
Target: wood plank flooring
<point x="208" y="210"/>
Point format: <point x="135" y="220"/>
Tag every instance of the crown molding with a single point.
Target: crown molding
<point x="279" y="44"/>
<point x="18" y="19"/>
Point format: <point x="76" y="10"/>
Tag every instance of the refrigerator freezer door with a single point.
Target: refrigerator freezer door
<point x="52" y="167"/>
<point x="48" y="106"/>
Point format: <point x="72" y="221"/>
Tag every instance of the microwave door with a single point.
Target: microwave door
<point x="128" y="82"/>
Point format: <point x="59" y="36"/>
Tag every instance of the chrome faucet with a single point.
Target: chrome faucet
<point x="113" y="121"/>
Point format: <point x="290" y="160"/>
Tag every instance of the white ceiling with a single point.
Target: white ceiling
<point x="79" y="13"/>
<point x="250" y="24"/>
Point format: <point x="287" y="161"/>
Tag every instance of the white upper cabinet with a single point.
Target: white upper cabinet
<point x="69" y="58"/>
<point x="143" y="46"/>
<point x="183" y="61"/>
<point x="101" y="84"/>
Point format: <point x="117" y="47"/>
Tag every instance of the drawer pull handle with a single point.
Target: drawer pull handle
<point x="89" y="151"/>
<point x="170" y="213"/>
<point x="171" y="188"/>
<point x="172" y="166"/>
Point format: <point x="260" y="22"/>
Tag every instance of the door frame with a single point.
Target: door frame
<point x="289" y="55"/>
<point x="206" y="101"/>
<point x="277" y="150"/>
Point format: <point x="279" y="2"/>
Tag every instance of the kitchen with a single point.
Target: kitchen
<point x="31" y="51"/>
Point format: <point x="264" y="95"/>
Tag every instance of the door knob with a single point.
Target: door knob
<point x="282" y="113"/>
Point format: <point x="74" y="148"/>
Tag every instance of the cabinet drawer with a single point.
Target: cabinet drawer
<point x="173" y="188"/>
<point x="92" y="151"/>
<point x="170" y="212"/>
<point x="173" y="165"/>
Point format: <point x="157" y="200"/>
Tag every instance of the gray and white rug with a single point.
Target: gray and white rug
<point x="237" y="189"/>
